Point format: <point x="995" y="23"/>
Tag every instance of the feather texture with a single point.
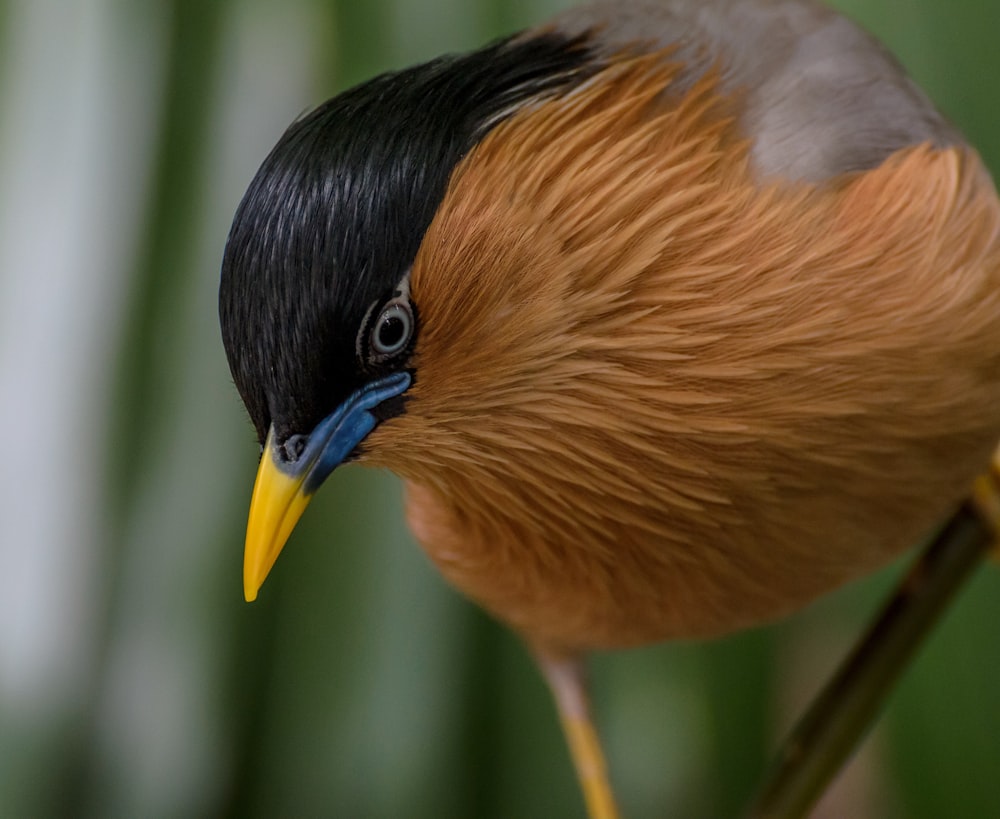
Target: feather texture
<point x="660" y="398"/>
<point x="819" y="96"/>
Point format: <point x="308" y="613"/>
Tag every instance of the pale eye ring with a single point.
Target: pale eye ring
<point x="393" y="329"/>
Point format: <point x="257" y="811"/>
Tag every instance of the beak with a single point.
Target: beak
<point x="283" y="489"/>
<point x="278" y="502"/>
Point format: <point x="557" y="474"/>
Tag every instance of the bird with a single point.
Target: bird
<point x="671" y="316"/>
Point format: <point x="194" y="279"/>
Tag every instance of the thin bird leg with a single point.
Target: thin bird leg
<point x="846" y="708"/>
<point x="566" y="677"/>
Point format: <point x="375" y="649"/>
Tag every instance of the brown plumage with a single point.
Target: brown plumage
<point x="691" y="401"/>
<point x="673" y="316"/>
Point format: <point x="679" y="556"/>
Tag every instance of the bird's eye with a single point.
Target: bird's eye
<point x="388" y="334"/>
<point x="392" y="329"/>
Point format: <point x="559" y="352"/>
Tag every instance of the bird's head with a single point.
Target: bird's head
<point x="320" y="323"/>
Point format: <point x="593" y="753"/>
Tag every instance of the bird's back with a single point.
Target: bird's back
<point x="818" y="95"/>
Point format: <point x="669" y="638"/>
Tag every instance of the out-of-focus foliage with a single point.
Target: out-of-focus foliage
<point x="133" y="679"/>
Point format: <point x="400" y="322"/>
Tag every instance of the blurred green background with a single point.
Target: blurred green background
<point x="134" y="682"/>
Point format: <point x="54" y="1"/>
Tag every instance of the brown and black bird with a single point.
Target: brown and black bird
<point x="671" y="315"/>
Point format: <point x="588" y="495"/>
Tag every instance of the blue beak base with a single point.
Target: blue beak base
<point x="337" y="435"/>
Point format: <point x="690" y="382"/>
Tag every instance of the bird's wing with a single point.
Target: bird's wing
<point x="817" y="95"/>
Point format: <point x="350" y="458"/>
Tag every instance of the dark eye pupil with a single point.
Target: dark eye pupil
<point x="391" y="331"/>
<point x="389" y="334"/>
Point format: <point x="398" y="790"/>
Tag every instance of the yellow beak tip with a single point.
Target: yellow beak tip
<point x="250" y="593"/>
<point x="253" y="579"/>
<point x="277" y="503"/>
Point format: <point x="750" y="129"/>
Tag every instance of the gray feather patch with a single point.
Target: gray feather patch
<point x="820" y="96"/>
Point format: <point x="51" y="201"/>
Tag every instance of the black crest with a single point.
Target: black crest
<point x="335" y="216"/>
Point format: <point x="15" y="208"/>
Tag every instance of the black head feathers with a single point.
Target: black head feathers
<point x="335" y="215"/>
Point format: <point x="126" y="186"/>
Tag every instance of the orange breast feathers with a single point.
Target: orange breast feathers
<point x="659" y="397"/>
